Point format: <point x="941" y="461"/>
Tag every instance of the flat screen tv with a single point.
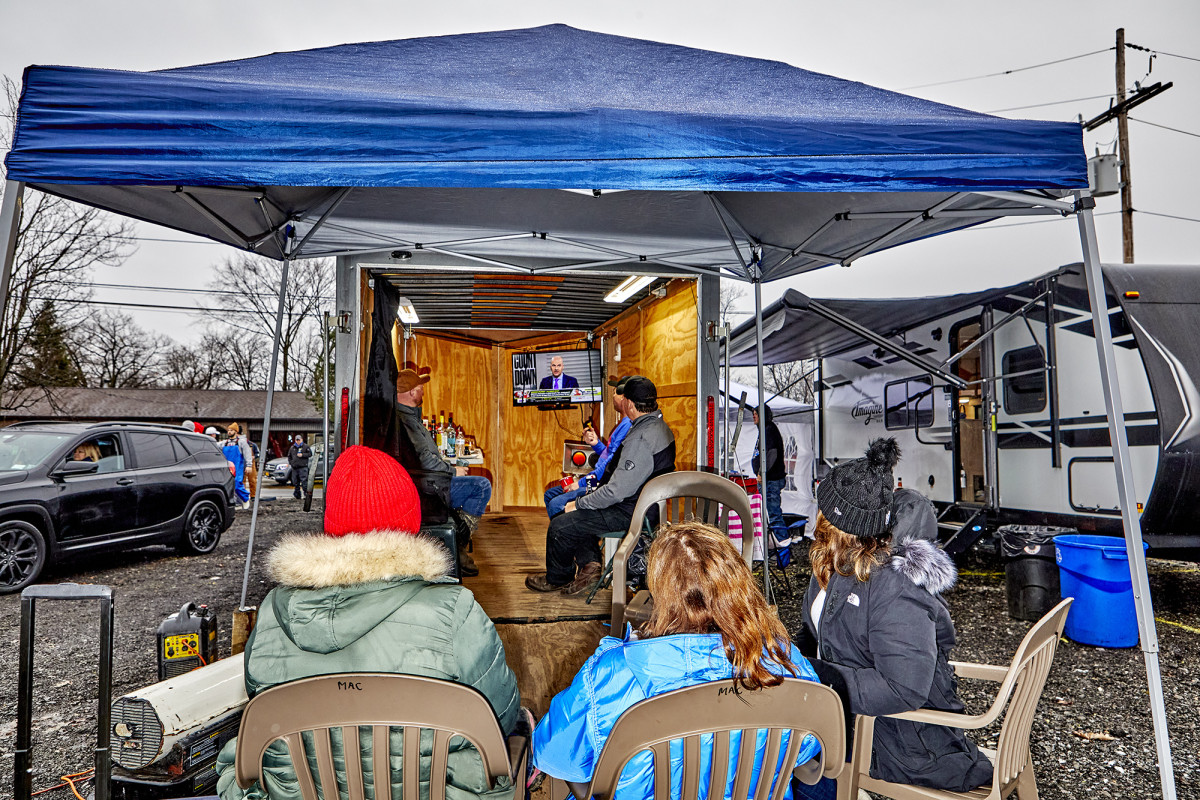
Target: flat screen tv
<point x="554" y="378"/>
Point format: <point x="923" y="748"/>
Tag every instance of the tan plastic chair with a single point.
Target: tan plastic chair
<point x="716" y="709"/>
<point x="679" y="496"/>
<point x="1023" y="680"/>
<point x="381" y="701"/>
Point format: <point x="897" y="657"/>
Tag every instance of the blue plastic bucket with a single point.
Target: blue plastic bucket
<point x="1095" y="571"/>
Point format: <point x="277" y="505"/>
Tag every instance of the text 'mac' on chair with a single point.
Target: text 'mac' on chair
<point x="348" y="701"/>
<point x="1022" y="680"/>
<point x="678" y="496"/>
<point x="795" y="707"/>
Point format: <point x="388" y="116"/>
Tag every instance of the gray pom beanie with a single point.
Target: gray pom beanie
<point x="856" y="496"/>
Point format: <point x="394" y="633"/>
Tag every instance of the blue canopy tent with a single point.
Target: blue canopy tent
<point x="548" y="150"/>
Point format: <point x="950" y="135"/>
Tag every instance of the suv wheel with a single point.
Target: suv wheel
<point x="22" y="555"/>
<point x="201" y="528"/>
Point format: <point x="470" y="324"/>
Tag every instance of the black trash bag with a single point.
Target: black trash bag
<point x="1036" y="541"/>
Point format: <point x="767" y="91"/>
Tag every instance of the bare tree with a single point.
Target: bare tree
<point x="199" y="366"/>
<point x="249" y="300"/>
<point x="793" y="379"/>
<point x="58" y="242"/>
<point x="115" y="353"/>
<point x="732" y="293"/>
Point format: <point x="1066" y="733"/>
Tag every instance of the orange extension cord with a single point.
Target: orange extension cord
<point x="69" y="780"/>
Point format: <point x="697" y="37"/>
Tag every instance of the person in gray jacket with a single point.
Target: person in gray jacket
<point x="573" y="555"/>
<point x="878" y="628"/>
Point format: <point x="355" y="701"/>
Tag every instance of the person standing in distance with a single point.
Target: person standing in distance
<point x="299" y="454"/>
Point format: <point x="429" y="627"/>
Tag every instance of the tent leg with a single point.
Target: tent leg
<point x="762" y="430"/>
<point x="10" y="223"/>
<point x="266" y="435"/>
<point x="1125" y="494"/>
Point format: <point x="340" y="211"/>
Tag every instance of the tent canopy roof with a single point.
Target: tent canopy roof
<point x="485" y="150"/>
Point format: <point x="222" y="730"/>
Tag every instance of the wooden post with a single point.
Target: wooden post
<point x="243" y="622"/>
<point x="1123" y="141"/>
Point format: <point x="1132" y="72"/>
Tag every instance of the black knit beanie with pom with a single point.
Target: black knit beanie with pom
<point x="856" y="496"/>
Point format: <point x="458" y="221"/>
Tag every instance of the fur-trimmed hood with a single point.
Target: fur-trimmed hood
<point x="925" y="564"/>
<point x="319" y="561"/>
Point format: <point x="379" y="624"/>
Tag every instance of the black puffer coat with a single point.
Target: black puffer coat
<point x="886" y="643"/>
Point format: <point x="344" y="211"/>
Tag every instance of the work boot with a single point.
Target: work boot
<point x="466" y="564"/>
<point x="538" y="583"/>
<point x="585" y="579"/>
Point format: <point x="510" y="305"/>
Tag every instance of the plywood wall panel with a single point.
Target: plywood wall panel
<point x="462" y="383"/>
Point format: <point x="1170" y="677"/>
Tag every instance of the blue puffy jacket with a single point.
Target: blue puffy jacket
<point x="568" y="740"/>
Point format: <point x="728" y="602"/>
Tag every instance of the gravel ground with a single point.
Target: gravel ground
<point x="1091" y="690"/>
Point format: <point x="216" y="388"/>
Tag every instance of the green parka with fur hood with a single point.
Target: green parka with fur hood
<point x="379" y="602"/>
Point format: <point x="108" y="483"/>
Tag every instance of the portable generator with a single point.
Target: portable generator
<point x="187" y="639"/>
<point x="165" y="737"/>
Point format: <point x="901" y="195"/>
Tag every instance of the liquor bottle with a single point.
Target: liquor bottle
<point x="450" y="445"/>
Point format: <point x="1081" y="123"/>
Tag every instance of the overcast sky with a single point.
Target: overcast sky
<point x="895" y="45"/>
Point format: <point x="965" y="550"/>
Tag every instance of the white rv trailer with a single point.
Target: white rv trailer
<point x="999" y="413"/>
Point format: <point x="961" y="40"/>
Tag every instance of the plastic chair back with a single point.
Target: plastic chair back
<point x="349" y="701"/>
<point x="796" y="707"/>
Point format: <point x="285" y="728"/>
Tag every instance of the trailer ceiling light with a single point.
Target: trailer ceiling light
<point x="407" y="312"/>
<point x="628" y="287"/>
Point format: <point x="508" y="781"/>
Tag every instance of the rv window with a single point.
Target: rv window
<point x="1024" y="394"/>
<point x="908" y="403"/>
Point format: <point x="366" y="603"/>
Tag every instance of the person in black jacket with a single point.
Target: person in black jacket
<point x="299" y="454"/>
<point x="774" y="481"/>
<point x="878" y="628"/>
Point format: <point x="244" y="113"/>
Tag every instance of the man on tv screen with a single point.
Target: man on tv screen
<point x="573" y="555"/>
<point x="557" y="379"/>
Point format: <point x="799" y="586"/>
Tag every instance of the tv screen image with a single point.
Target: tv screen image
<point x="556" y="377"/>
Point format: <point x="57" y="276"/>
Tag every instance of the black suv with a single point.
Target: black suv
<point x="70" y="489"/>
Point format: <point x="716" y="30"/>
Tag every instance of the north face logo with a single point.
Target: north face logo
<point x="629" y="464"/>
<point x="837" y="511"/>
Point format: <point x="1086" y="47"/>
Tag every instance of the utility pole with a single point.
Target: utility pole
<point x="1123" y="142"/>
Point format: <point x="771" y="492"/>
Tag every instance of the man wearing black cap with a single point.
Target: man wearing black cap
<point x="573" y="555"/>
<point x="557" y="497"/>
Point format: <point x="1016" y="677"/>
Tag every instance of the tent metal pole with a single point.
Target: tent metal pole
<point x="10" y="224"/>
<point x="725" y="409"/>
<point x="1125" y="490"/>
<point x="325" y="406"/>
<point x="290" y="234"/>
<point x="756" y="272"/>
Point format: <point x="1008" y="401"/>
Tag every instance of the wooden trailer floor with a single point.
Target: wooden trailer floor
<point x="547" y="637"/>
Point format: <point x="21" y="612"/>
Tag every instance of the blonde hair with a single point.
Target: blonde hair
<point x="834" y="550"/>
<point x="701" y="585"/>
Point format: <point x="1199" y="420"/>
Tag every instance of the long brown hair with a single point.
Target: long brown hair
<point x="834" y="550"/>
<point x="701" y="585"/>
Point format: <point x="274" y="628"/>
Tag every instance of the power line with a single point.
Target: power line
<point x="1055" y="103"/>
<point x="181" y="290"/>
<point x="1008" y="71"/>
<point x="1168" y="216"/>
<point x="1165" y="127"/>
<point x="130" y="238"/>
<point x="1160" y="52"/>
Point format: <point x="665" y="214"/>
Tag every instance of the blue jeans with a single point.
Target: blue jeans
<point x="556" y="499"/>
<point x="774" y="502"/>
<point x="470" y="493"/>
<point x="824" y="789"/>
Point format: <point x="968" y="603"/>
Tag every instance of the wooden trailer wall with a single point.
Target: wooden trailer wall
<point x="523" y="446"/>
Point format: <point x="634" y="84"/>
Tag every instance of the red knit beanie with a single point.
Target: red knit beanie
<point x="369" y="491"/>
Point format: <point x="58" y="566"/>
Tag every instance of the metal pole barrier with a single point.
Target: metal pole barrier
<point x="762" y="431"/>
<point x="1127" y="499"/>
<point x="290" y="234"/>
<point x="325" y="408"/>
<point x="10" y="224"/>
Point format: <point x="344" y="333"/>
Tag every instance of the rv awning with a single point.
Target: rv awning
<point x="791" y="333"/>
<point x="542" y="150"/>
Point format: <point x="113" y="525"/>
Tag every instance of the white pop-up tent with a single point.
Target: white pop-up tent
<point x="551" y="151"/>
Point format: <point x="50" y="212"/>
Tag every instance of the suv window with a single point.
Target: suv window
<point x="194" y="444"/>
<point x="26" y="449"/>
<point x="104" y="450"/>
<point x="153" y="450"/>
